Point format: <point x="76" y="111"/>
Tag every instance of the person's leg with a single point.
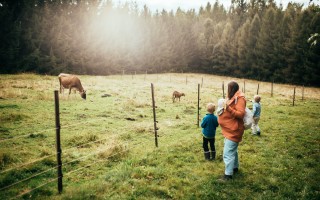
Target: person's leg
<point x="254" y="126"/>
<point x="206" y="148"/>
<point x="236" y="162"/>
<point x="257" y="126"/>
<point x="229" y="156"/>
<point x="213" y="148"/>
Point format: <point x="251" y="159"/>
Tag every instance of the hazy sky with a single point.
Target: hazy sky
<point x="188" y="4"/>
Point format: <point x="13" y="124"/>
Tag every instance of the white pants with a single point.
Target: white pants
<point x="255" y="127"/>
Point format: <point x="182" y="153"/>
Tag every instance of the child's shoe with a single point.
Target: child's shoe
<point x="213" y="155"/>
<point x="207" y="155"/>
<point x="225" y="178"/>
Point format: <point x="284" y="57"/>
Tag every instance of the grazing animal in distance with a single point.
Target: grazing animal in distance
<point x="70" y="81"/>
<point x="177" y="95"/>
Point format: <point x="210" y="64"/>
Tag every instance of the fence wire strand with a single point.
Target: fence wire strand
<point x="82" y="123"/>
<point x="68" y="173"/>
<point x="101" y="160"/>
<point x="42" y="158"/>
<point x="30" y="177"/>
<point x="64" y="152"/>
<point x="49" y="129"/>
<point x="95" y="153"/>
<point x="26" y="164"/>
<point x="29" y="134"/>
<point x="29" y="191"/>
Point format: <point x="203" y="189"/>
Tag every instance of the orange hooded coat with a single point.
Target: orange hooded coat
<point x="231" y="120"/>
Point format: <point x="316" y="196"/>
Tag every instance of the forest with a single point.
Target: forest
<point x="254" y="39"/>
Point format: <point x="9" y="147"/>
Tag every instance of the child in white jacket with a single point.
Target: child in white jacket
<point x="256" y="111"/>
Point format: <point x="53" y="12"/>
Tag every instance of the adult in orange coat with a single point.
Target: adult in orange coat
<point x="231" y="123"/>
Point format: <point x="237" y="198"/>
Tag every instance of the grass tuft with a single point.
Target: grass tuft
<point x="113" y="151"/>
<point x="5" y="159"/>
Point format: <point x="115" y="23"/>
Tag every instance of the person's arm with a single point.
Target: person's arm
<point x="204" y="122"/>
<point x="239" y="110"/>
<point x="216" y="122"/>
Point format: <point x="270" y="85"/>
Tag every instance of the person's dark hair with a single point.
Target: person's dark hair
<point x="233" y="87"/>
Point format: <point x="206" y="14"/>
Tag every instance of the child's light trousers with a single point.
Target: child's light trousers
<point x="255" y="127"/>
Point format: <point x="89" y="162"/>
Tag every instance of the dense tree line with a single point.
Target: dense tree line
<point x="253" y="39"/>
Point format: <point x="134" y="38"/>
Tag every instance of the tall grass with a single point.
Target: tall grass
<point x="125" y="164"/>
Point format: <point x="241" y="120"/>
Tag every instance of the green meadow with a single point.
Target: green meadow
<point x="108" y="144"/>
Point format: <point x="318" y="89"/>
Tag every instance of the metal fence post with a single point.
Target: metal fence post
<point x="154" y="117"/>
<point x="58" y="144"/>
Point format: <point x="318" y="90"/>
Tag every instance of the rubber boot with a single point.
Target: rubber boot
<point x="207" y="155"/>
<point x="225" y="178"/>
<point x="213" y="155"/>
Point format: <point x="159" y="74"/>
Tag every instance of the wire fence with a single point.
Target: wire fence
<point x="187" y="80"/>
<point x="70" y="172"/>
<point x="65" y="152"/>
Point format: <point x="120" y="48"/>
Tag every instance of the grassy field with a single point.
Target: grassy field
<point x="108" y="149"/>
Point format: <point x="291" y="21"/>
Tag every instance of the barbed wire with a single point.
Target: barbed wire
<point x="42" y="158"/>
<point x="29" y="191"/>
<point x="66" y="150"/>
<point x="29" y="134"/>
<point x="48" y="129"/>
<point x="95" y="153"/>
<point x="30" y="177"/>
<point x="40" y="173"/>
<point x="101" y="160"/>
<point x="83" y="123"/>
<point x="68" y="173"/>
<point x="26" y="164"/>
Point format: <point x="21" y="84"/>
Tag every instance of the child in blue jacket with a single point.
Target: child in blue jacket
<point x="209" y="124"/>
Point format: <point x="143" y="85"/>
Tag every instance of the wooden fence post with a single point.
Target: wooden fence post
<point x="223" y="89"/>
<point x="258" y="89"/>
<point x="302" y="97"/>
<point x="58" y="144"/>
<point x="294" y="95"/>
<point x="154" y="116"/>
<point x="198" y="116"/>
<point x="272" y="89"/>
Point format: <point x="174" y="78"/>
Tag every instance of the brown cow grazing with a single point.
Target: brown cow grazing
<point x="177" y="95"/>
<point x="70" y="81"/>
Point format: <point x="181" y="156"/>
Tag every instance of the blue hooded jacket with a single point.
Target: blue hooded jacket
<point x="209" y="124"/>
<point x="256" y="109"/>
